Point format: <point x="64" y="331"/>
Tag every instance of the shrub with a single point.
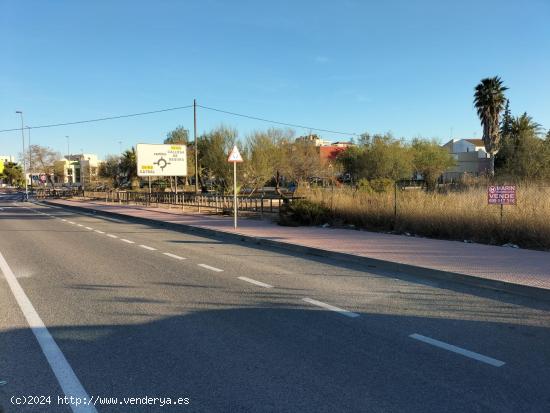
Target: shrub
<point x="381" y="185"/>
<point x="303" y="212"/>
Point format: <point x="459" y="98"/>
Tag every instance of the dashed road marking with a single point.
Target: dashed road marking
<point x="127" y="241"/>
<point x="112" y="236"/>
<point x="208" y="267"/>
<point x="89" y="228"/>
<point x="330" y="307"/>
<point x="251" y="281"/>
<point x="458" y="350"/>
<point x="98" y="231"/>
<point x="148" y="247"/>
<point x="173" y="256"/>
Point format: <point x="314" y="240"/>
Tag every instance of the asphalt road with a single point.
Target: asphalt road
<point x="122" y="310"/>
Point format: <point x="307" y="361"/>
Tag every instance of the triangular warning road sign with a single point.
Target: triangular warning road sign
<point x="235" y="155"/>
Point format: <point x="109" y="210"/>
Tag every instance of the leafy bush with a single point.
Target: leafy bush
<point x="303" y="212"/>
<point x="381" y="185"/>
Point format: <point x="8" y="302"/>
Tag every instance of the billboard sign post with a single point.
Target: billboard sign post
<point x="161" y="160"/>
<point x="235" y="157"/>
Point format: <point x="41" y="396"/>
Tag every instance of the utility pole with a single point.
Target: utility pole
<point x="196" y="146"/>
<point x="24" y="157"/>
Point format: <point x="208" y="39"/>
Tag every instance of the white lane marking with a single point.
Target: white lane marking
<point x="63" y="219"/>
<point x="98" y="231"/>
<point x="458" y="350"/>
<point x="70" y="222"/>
<point x="112" y="236"/>
<point x="208" y="267"/>
<point x="80" y="225"/>
<point x="89" y="228"/>
<point x="127" y="241"/>
<point x="148" y="248"/>
<point x="173" y="256"/>
<point x="330" y="307"/>
<point x="251" y="281"/>
<point x="61" y="368"/>
<point x="105" y="218"/>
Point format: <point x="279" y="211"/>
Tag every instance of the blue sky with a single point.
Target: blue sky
<point x="408" y="67"/>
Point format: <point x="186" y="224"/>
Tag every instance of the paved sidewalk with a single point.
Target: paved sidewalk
<point x="499" y="265"/>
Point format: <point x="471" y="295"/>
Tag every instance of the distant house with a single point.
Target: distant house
<point x="328" y="154"/>
<point x="79" y="169"/>
<point x="313" y="139"/>
<point x="470" y="156"/>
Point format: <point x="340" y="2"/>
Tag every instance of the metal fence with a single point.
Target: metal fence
<point x="56" y="193"/>
<point x="202" y="202"/>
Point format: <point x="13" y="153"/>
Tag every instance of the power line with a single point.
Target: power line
<point x="280" y="123"/>
<point x="293" y="125"/>
<point x="100" y="119"/>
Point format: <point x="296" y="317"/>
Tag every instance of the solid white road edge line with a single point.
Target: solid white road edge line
<point x="330" y="307"/>
<point x="173" y="256"/>
<point x="147" y="247"/>
<point x="61" y="368"/>
<point x="208" y="267"/>
<point x="458" y="350"/>
<point x="251" y="281"/>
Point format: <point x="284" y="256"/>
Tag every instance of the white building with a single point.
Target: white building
<point x="79" y="170"/>
<point x="470" y="156"/>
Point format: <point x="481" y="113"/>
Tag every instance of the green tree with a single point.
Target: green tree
<point x="265" y="156"/>
<point x="350" y="162"/>
<point x="110" y="169"/>
<point x="12" y="173"/>
<point x="41" y="159"/>
<point x="179" y="135"/>
<point x="431" y="160"/>
<point x="505" y="137"/>
<point x="489" y="102"/>
<point x="128" y="167"/>
<point x="214" y="147"/>
<point x="301" y="162"/>
<point x="386" y="157"/>
<point x="526" y="155"/>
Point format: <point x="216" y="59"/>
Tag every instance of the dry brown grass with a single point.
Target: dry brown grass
<point x="455" y="215"/>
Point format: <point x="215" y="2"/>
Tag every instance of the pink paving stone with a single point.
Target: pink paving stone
<point x="518" y="266"/>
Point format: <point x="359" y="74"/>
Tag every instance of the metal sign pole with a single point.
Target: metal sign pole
<point x="235" y="195"/>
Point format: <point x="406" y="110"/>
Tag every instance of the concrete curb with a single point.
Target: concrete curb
<point x="373" y="263"/>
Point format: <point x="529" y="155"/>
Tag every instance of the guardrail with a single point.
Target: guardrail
<point x="212" y="202"/>
<point x="43" y="193"/>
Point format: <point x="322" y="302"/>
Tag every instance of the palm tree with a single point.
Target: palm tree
<point x="489" y="101"/>
<point x="128" y="166"/>
<point x="525" y="124"/>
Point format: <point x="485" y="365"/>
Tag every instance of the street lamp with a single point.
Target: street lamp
<point x="30" y="154"/>
<point x="24" y="163"/>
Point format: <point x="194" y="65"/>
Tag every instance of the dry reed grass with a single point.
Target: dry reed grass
<point x="463" y="215"/>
